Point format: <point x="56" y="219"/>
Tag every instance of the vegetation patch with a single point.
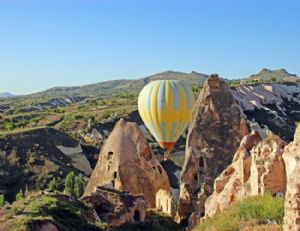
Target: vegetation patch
<point x="248" y="215"/>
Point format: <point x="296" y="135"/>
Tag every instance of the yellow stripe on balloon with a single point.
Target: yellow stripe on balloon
<point x="165" y="106"/>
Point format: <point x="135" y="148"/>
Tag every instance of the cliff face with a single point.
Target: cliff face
<point x="257" y="168"/>
<point x="216" y="128"/>
<point x="291" y="158"/>
<point x="127" y="163"/>
<point x="272" y="104"/>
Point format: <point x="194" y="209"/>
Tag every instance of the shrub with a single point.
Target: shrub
<point x="78" y="117"/>
<point x="53" y="184"/>
<point x="19" y="195"/>
<point x="2" y="200"/>
<point x="78" y="186"/>
<point x="69" y="184"/>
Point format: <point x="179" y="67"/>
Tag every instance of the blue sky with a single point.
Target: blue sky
<point x="70" y="42"/>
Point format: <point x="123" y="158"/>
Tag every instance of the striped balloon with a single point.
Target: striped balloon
<point x="165" y="107"/>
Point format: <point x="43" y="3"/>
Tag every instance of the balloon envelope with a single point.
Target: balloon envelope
<point x="165" y="107"/>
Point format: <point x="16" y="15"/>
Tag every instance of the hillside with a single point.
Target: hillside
<point x="31" y="159"/>
<point x="124" y="86"/>
<point x="280" y="75"/>
<point x="4" y="95"/>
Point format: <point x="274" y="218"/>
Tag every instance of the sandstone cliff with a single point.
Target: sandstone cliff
<point x="216" y="128"/>
<point x="291" y="158"/>
<point x="127" y="163"/>
<point x="257" y="168"/>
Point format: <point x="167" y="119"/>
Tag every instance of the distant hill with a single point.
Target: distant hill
<point x="280" y="75"/>
<point x="135" y="85"/>
<point x="6" y="95"/>
<point x="123" y="85"/>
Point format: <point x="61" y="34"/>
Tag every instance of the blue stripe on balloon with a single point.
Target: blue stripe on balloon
<point x="187" y="95"/>
<point x="176" y="95"/>
<point x="148" y="96"/>
<point x="162" y="95"/>
<point x="163" y="130"/>
<point x="173" y="129"/>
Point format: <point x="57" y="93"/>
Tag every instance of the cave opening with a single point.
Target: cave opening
<point x="137" y="216"/>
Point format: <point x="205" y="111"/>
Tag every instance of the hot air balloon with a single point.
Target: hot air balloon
<point x="165" y="106"/>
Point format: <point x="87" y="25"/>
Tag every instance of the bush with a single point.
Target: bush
<point x="252" y="211"/>
<point x="9" y="125"/>
<point x="19" y="195"/>
<point x="53" y="184"/>
<point x="78" y="186"/>
<point x="78" y="117"/>
<point x="2" y="200"/>
<point x="69" y="184"/>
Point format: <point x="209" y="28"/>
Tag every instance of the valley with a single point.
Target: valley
<point x="96" y="132"/>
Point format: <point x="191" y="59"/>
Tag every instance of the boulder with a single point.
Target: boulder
<point x="127" y="163"/>
<point x="216" y="128"/>
<point x="291" y="158"/>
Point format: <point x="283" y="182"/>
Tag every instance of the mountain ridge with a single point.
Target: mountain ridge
<point x="4" y="95"/>
<point x="135" y="85"/>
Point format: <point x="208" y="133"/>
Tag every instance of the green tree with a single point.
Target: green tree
<point x="78" y="186"/>
<point x="2" y="200"/>
<point x="53" y="184"/>
<point x="273" y="79"/>
<point x="69" y="184"/>
<point x="19" y="195"/>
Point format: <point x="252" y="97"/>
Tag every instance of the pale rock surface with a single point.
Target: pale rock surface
<point x="257" y="168"/>
<point x="291" y="158"/>
<point x="78" y="158"/>
<point x="127" y="163"/>
<point x="276" y="105"/>
<point x="216" y="128"/>
<point x="165" y="202"/>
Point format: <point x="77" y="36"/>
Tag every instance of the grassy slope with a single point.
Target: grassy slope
<point x="250" y="214"/>
<point x="65" y="212"/>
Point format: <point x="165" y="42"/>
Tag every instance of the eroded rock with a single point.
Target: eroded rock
<point x="291" y="158"/>
<point x="257" y="168"/>
<point x="216" y="128"/>
<point x="115" y="207"/>
<point x="127" y="163"/>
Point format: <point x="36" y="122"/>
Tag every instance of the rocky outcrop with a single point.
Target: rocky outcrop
<point x="165" y="202"/>
<point x="257" y="167"/>
<point x="41" y="225"/>
<point x="291" y="158"/>
<point x="267" y="166"/>
<point x="127" y="163"/>
<point x="216" y="128"/>
<point x="78" y="158"/>
<point x="116" y="208"/>
<point x="272" y="104"/>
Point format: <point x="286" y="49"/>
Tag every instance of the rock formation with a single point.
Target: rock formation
<point x="257" y="167"/>
<point x="291" y="158"/>
<point x="216" y="128"/>
<point x="165" y="202"/>
<point x="276" y="105"/>
<point x="127" y="163"/>
<point x="117" y="208"/>
<point x="79" y="160"/>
